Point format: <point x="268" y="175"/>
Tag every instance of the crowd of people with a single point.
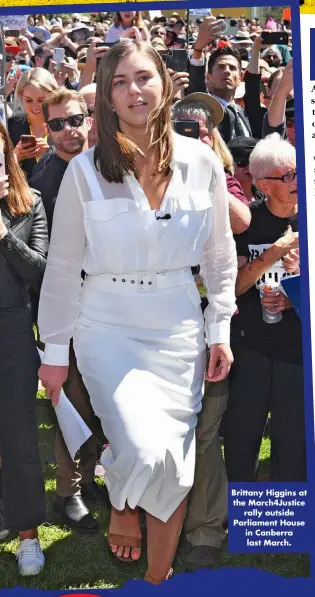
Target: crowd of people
<point x="148" y="213"/>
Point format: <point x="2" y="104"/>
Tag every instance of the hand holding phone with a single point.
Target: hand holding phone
<point x="28" y="140"/>
<point x="187" y="128"/>
<point x="26" y="148"/>
<point x="270" y="38"/>
<point x="59" y="56"/>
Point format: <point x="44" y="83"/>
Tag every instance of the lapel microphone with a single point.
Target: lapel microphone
<point x="166" y="217"/>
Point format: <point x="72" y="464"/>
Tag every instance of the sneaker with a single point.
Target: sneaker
<point x="3" y="531"/>
<point x="30" y="557"/>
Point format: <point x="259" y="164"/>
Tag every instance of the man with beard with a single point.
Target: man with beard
<point x="68" y="125"/>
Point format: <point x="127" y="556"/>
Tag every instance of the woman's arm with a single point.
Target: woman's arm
<point x="59" y="299"/>
<point x="253" y="270"/>
<point x="218" y="265"/>
<point x="28" y="260"/>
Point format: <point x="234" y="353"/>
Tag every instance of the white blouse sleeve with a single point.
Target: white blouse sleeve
<point x="59" y="299"/>
<point x="218" y="266"/>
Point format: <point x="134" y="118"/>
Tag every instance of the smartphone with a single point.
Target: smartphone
<point x="59" y="55"/>
<point x="28" y="140"/>
<point x="2" y="164"/>
<point x="231" y="27"/>
<point x="187" y="128"/>
<point x="274" y="38"/>
<point x="12" y="33"/>
<point x="177" y="60"/>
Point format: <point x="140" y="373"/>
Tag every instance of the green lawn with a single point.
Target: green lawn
<point x="82" y="562"/>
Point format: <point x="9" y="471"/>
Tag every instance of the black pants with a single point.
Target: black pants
<point x="259" y="385"/>
<point x="22" y="479"/>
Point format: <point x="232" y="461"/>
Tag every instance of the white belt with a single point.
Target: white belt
<point x="150" y="281"/>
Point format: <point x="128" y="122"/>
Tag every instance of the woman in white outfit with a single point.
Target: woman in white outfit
<point x="135" y="213"/>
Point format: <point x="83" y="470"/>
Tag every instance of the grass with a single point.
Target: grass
<point x="82" y="562"/>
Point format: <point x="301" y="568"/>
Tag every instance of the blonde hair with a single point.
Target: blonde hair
<point x="39" y="77"/>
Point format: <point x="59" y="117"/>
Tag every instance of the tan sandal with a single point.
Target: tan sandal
<point x="131" y="542"/>
<point x="153" y="581"/>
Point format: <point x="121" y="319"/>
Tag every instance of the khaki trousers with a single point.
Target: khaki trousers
<point x="208" y="499"/>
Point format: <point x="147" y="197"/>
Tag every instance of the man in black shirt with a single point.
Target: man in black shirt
<point x="68" y="142"/>
<point x="68" y="125"/>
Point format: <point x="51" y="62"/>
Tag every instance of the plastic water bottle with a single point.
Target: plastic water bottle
<point x="266" y="315"/>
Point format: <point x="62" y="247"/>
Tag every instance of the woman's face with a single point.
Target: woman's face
<point x="127" y="17"/>
<point x="137" y="89"/>
<point x="286" y="192"/>
<point x="32" y="100"/>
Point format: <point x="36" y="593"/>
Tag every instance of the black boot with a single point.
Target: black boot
<point x="95" y="493"/>
<point x="73" y="511"/>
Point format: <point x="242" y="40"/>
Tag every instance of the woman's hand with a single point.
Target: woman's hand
<point x="41" y="147"/>
<point x="180" y="81"/>
<point x="12" y="81"/>
<point x="221" y="359"/>
<point x="133" y="32"/>
<point x="70" y="70"/>
<point x="3" y="228"/>
<point x="24" y="151"/>
<point x="4" y="186"/>
<point x="291" y="262"/>
<point x="53" y="377"/>
<point x="275" y="301"/>
<point x="290" y="240"/>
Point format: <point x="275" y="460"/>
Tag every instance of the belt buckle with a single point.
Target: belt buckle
<point x="147" y="282"/>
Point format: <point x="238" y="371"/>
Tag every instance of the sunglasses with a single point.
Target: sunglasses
<point x="58" y="124"/>
<point x="287" y="177"/>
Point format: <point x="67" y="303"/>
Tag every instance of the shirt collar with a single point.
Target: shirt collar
<point x="222" y="101"/>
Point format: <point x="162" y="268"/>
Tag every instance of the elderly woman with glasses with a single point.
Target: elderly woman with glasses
<point x="267" y="376"/>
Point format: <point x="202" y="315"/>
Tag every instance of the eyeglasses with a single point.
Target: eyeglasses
<point x="90" y="112"/>
<point x="58" y="124"/>
<point x="287" y="177"/>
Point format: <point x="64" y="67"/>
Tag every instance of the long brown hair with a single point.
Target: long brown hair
<point x="136" y="21"/>
<point x="20" y="199"/>
<point x="115" y="153"/>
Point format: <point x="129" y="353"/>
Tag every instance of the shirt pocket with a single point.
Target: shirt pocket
<point x="200" y="200"/>
<point x="108" y="209"/>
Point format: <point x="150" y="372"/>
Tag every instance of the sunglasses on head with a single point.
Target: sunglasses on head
<point x="58" y="124"/>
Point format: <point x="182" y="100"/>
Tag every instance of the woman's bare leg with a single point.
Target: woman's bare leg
<point x="162" y="541"/>
<point x="125" y="523"/>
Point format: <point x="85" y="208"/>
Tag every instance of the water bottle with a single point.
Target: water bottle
<point x="266" y="315"/>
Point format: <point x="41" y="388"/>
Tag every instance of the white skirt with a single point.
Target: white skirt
<point x="142" y="360"/>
